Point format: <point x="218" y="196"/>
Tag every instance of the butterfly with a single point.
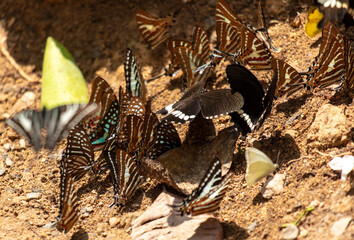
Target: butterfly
<point x="328" y="67"/>
<point x="191" y="57"/>
<point x="125" y="174"/>
<point x="68" y="212"/>
<point x="153" y="30"/>
<point x="289" y="80"/>
<point x="133" y="77"/>
<point x="103" y="95"/>
<point x="252" y="51"/>
<point x="257" y="104"/>
<point x="208" y="195"/>
<point x="259" y="165"/>
<point x="349" y="63"/>
<point x="165" y="139"/>
<point x="210" y="104"/>
<point x="262" y="27"/>
<point x="78" y="155"/>
<point x="57" y="122"/>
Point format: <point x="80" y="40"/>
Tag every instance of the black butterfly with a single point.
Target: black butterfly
<point x="57" y="121"/>
<point x="211" y="104"/>
<point x="257" y="104"/>
<point x="208" y="195"/>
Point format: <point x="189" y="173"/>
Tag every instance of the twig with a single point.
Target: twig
<point x="10" y="59"/>
<point x="333" y="156"/>
<point x="35" y="231"/>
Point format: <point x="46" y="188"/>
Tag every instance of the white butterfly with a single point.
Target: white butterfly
<point x="259" y="165"/>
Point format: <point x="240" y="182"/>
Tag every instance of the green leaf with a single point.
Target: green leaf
<point x="62" y="80"/>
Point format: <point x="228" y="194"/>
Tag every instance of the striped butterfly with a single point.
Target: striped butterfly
<point x="253" y="51"/>
<point x="208" y="195"/>
<point x="153" y="30"/>
<point x="228" y="38"/>
<point x="257" y="104"/>
<point x="211" y="104"/>
<point x="133" y="78"/>
<point x="349" y="63"/>
<point x="193" y="66"/>
<point x="262" y="27"/>
<point x="78" y="155"/>
<point x="68" y="212"/>
<point x="125" y="174"/>
<point x="103" y="95"/>
<point x="57" y="122"/>
<point x="289" y="80"/>
<point x="165" y="139"/>
<point x="329" y="66"/>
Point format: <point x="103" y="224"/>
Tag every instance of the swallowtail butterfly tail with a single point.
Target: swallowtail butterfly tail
<point x="57" y="122"/>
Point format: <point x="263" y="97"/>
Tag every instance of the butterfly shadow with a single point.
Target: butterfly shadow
<point x="316" y="44"/>
<point x="81" y="234"/>
<point x="290" y="106"/>
<point x="231" y="229"/>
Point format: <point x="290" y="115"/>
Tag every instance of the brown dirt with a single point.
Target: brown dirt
<point x="97" y="34"/>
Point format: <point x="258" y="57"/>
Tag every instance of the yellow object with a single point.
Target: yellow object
<point x="259" y="165"/>
<point x="62" y="80"/>
<point x="314" y="17"/>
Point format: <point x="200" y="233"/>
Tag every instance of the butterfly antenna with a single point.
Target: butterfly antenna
<point x="158" y="76"/>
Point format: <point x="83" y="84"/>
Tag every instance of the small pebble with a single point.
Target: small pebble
<point x="290" y="232"/>
<point x="339" y="226"/>
<point x="22" y="143"/>
<point x="113" y="221"/>
<point x="33" y="195"/>
<point x="273" y="186"/>
<point x="43" y="160"/>
<point x="252" y="226"/>
<point x="2" y="171"/>
<point x="6" y="116"/>
<point x="7" y="146"/>
<point x="8" y="162"/>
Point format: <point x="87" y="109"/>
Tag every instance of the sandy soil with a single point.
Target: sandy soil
<point x="97" y="34"/>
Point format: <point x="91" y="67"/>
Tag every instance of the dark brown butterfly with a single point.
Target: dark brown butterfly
<point x="208" y="195"/>
<point x="125" y="174"/>
<point x="210" y="104"/>
<point x="257" y="103"/>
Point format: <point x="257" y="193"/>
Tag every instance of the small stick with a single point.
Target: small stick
<point x="10" y="59"/>
<point x="35" y="231"/>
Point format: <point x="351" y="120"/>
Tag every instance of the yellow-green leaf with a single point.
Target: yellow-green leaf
<point x="62" y="80"/>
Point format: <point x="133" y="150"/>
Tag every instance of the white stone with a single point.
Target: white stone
<point x="113" y="221"/>
<point x="33" y="195"/>
<point x="22" y="143"/>
<point x="273" y="186"/>
<point x="339" y="226"/>
<point x="290" y="232"/>
<point x="8" y="162"/>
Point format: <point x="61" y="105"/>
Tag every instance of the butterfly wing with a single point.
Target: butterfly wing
<point x="349" y="63"/>
<point x="60" y="120"/>
<point x="228" y="38"/>
<point x="219" y="102"/>
<point x="200" y="43"/>
<point x="79" y="155"/>
<point x="289" y="80"/>
<point x="153" y="30"/>
<point x="259" y="165"/>
<point x="133" y="77"/>
<point x="125" y="174"/>
<point x="28" y="123"/>
<point x="165" y="138"/>
<point x="209" y="193"/>
<point x="68" y="213"/>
